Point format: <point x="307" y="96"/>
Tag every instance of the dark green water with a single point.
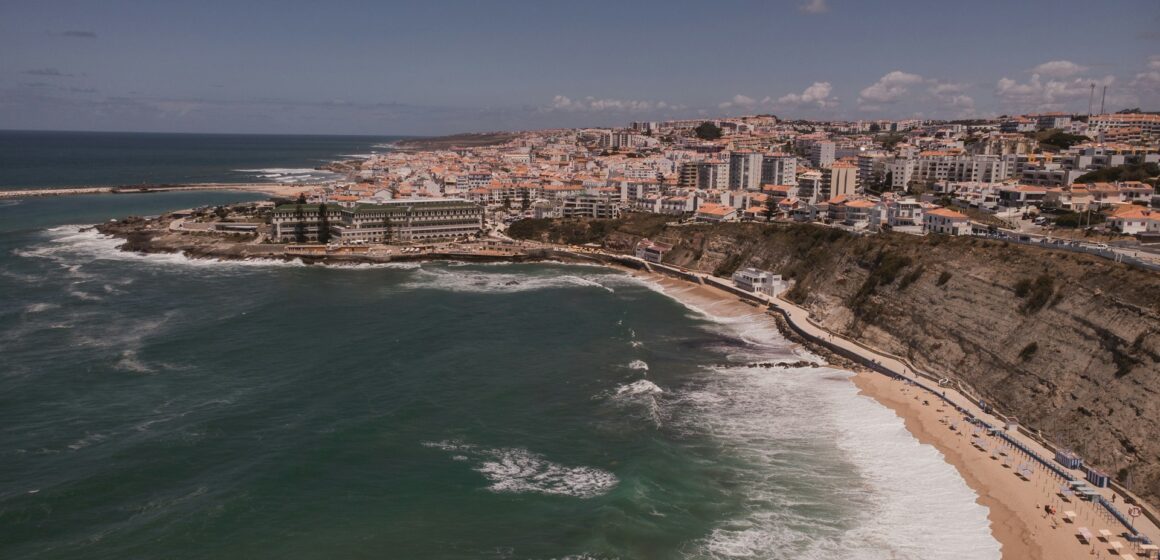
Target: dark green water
<point x="156" y="407"/>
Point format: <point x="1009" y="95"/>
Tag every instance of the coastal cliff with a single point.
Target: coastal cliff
<point x="1070" y="343"/>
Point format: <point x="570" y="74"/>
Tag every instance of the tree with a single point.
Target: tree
<point x="524" y="202"/>
<point x="300" y="225"/>
<point x="507" y="202"/>
<point x="1059" y="139"/>
<point x="301" y="198"/>
<point x="1131" y="172"/>
<point x="386" y="227"/>
<point x="770" y="208"/>
<point x="875" y="127"/>
<point x="707" y="131"/>
<point x="323" y="224"/>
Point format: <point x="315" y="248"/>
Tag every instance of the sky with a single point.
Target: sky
<point x="444" y="66"/>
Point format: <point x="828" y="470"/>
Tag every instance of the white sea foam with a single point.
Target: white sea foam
<point x="521" y="471"/>
<point x="638" y="365"/>
<point x="290" y="174"/>
<point x="76" y="245"/>
<point x="638" y="388"/>
<point x="282" y="170"/>
<point x="515" y="470"/>
<point x="456" y="279"/>
<point x="86" y="441"/>
<point x="40" y="307"/>
<point x="130" y="362"/>
<point x="888" y="496"/>
<point x="645" y="395"/>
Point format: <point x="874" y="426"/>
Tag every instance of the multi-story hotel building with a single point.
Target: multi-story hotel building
<point x="390" y="221"/>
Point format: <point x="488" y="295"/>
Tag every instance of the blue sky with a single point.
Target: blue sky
<point x="433" y="67"/>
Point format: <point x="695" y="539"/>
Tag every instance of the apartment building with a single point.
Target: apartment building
<point x="590" y="206"/>
<point x="712" y="175"/>
<point x="745" y="170"/>
<point x="821" y="153"/>
<point x="945" y="166"/>
<point x="841" y="178"/>
<point x="778" y="169"/>
<point x="1149" y="125"/>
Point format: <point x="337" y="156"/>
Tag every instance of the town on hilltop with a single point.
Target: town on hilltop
<point x="1080" y="182"/>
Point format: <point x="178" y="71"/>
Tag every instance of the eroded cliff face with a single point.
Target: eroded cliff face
<point x="1069" y="343"/>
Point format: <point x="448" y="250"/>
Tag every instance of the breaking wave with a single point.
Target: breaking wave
<point x="461" y="279"/>
<point x="823" y="458"/>
<point x="516" y="470"/>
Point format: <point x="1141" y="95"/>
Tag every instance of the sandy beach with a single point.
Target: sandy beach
<point x="274" y="189"/>
<point x="1015" y="503"/>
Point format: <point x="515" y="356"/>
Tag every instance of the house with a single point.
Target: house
<point x="858" y="212"/>
<point x="1021" y="195"/>
<point x="757" y="281"/>
<point x="904" y="212"/>
<point x="754" y="214"/>
<point x="1132" y="220"/>
<point x="652" y="251"/>
<point x="946" y="221"/>
<point x="714" y="213"/>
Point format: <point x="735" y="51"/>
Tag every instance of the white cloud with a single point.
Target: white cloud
<point x="814" y="7"/>
<point x="1146" y="84"/>
<point x="889" y="88"/>
<point x="951" y="95"/>
<point x="564" y="103"/>
<point x="1046" y="95"/>
<point x="1058" y="69"/>
<point x="817" y="94"/>
<point x="739" y="101"/>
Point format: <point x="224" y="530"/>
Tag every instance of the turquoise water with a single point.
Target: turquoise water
<point x="34" y="159"/>
<point x="158" y="407"/>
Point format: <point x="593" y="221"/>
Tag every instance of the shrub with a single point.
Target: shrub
<point x="1028" y="351"/>
<point x="911" y="277"/>
<point x="1037" y="292"/>
<point x="729" y="265"/>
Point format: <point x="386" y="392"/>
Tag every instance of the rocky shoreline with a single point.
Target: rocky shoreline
<point x="154" y="236"/>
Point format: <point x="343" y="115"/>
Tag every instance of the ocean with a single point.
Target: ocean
<point x="52" y="159"/>
<point x="156" y="406"/>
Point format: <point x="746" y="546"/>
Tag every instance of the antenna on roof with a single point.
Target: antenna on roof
<point x="1091" y="98"/>
<point x="1103" y="96"/>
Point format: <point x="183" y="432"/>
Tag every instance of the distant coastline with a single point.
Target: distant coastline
<point x="275" y="189"/>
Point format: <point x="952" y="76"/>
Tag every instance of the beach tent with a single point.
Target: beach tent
<point x="1098" y="478"/>
<point x="1068" y="459"/>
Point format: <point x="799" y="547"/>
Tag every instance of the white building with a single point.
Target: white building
<point x="758" y="281"/>
<point x="712" y="175"/>
<point x="843" y="179"/>
<point x="390" y="221"/>
<point x="821" y="153"/>
<point x="942" y="220"/>
<point x="745" y="170"/>
<point x="778" y="169"/>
